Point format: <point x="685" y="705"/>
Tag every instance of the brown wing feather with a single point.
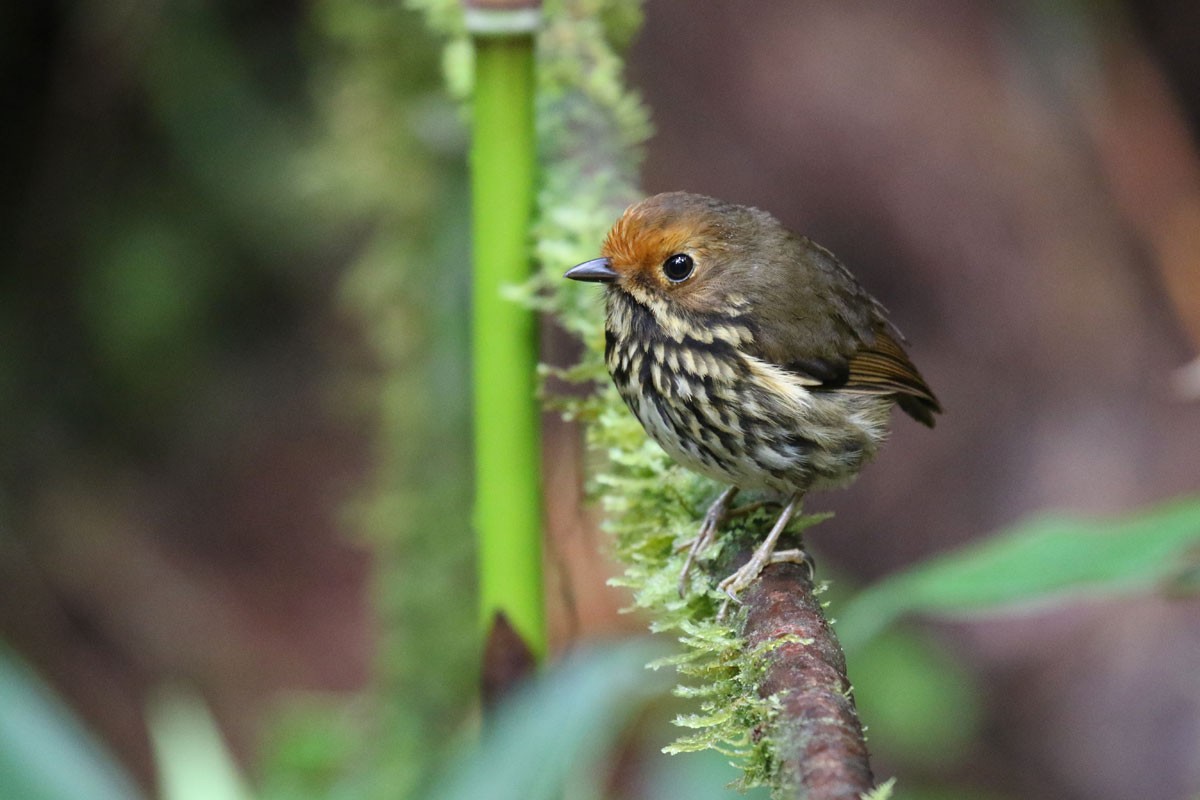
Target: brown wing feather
<point x="884" y="368"/>
<point x="824" y="326"/>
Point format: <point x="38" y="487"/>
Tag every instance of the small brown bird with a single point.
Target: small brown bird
<point x="750" y="354"/>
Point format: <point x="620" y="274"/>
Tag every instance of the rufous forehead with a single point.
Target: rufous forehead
<point x="640" y="237"/>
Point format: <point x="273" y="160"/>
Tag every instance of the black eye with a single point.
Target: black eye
<point x="679" y="267"/>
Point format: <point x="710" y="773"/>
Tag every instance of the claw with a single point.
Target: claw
<point x="797" y="556"/>
<point x="730" y="600"/>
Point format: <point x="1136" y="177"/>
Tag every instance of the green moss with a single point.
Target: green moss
<point x="883" y="791"/>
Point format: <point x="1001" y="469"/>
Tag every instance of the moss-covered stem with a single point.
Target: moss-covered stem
<point x="504" y="343"/>
<point x="815" y="739"/>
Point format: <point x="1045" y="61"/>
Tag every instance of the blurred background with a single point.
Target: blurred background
<point x="234" y="379"/>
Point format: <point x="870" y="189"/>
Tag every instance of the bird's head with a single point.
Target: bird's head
<point x="688" y="249"/>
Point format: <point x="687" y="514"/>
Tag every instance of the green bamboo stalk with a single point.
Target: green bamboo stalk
<point x="504" y="343"/>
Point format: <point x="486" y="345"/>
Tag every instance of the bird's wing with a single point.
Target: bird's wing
<point x="849" y="347"/>
<point x="881" y="367"/>
<point x="884" y="368"/>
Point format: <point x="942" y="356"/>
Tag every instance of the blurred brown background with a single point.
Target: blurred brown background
<point x="182" y="374"/>
<point x="1019" y="184"/>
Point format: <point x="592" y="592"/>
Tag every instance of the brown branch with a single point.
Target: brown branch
<point x="818" y="739"/>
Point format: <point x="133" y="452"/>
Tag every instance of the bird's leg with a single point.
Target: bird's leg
<point x="718" y="512"/>
<point x="724" y="516"/>
<point x="765" y="554"/>
<point x="708" y="532"/>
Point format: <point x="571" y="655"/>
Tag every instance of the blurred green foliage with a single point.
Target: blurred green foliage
<point x="397" y="135"/>
<point x="193" y="761"/>
<point x="560" y="729"/>
<point x="45" y="753"/>
<point x="920" y="706"/>
<point x="1038" y="562"/>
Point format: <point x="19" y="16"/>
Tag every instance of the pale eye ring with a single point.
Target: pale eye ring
<point x="678" y="267"/>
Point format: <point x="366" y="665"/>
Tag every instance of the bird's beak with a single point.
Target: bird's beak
<point x="598" y="270"/>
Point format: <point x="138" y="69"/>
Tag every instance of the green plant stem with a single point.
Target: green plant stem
<point x="507" y="451"/>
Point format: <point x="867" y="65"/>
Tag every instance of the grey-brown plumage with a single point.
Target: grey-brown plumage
<point x="750" y="354"/>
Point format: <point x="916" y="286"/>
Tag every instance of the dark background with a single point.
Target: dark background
<point x="224" y="222"/>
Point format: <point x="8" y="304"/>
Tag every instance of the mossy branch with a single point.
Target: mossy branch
<point x="818" y="743"/>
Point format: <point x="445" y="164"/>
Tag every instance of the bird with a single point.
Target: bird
<point x="751" y="355"/>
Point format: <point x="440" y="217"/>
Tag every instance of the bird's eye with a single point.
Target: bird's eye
<point x="678" y="267"/>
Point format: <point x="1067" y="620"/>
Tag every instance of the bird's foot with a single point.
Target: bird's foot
<point x="713" y="518"/>
<point x="796" y="556"/>
<point x="763" y="555"/>
<point x="741" y="580"/>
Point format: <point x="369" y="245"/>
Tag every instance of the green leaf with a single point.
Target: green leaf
<point x="45" y="752"/>
<point x="193" y="762"/>
<point x="921" y="704"/>
<point x="564" y="721"/>
<point x="706" y="775"/>
<point x="1042" y="560"/>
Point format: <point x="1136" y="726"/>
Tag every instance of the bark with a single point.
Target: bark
<point x="818" y="739"/>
